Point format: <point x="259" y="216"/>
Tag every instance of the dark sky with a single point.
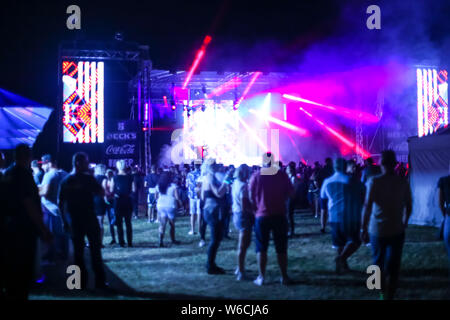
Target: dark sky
<point x="246" y="34"/>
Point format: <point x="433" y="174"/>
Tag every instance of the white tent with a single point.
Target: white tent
<point x="429" y="158"/>
<point x="21" y="119"/>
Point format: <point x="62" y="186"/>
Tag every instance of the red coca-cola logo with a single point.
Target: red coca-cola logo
<point x="116" y="150"/>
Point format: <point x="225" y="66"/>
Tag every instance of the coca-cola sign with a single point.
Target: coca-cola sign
<point x="122" y="143"/>
<point x="126" y="149"/>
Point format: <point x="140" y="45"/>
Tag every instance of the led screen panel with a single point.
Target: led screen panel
<point x="216" y="130"/>
<point x="83" y="101"/>
<point x="432" y="100"/>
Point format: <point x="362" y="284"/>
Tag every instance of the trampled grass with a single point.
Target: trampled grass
<point x="178" y="271"/>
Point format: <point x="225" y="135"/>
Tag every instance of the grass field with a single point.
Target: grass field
<point x="178" y="271"/>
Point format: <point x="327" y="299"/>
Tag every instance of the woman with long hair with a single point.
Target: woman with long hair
<point x="243" y="217"/>
<point x="123" y="185"/>
<point x="166" y="204"/>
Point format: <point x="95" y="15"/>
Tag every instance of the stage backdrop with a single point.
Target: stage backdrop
<point x="121" y="143"/>
<point x="430" y="160"/>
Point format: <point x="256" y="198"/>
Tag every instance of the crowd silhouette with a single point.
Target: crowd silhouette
<point x="45" y="209"/>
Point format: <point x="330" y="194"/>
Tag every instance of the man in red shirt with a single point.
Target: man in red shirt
<point x="270" y="188"/>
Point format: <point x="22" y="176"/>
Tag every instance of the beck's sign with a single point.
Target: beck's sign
<point x="122" y="143"/>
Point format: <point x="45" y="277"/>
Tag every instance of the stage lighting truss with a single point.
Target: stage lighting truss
<point x="100" y="52"/>
<point x="101" y="55"/>
<point x="83" y="101"/>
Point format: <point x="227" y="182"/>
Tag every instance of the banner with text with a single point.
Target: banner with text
<point x="121" y="143"/>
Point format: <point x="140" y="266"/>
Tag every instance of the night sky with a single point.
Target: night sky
<point x="247" y="35"/>
<point x="32" y="30"/>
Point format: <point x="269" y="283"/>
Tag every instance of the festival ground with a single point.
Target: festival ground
<point x="178" y="271"/>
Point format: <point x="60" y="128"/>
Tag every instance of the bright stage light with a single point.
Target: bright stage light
<point x="85" y="132"/>
<point x="266" y="108"/>
<point x="228" y="138"/>
<point x="279" y="122"/>
<point x="92" y="101"/>
<point x="253" y="134"/>
<point x="146" y="112"/>
<point x="101" y="111"/>
<point x="345" y="112"/>
<point x="339" y="136"/>
<point x="247" y="88"/>
<point x="220" y="90"/>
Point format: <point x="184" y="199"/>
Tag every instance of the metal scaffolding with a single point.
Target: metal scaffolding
<point x="139" y="87"/>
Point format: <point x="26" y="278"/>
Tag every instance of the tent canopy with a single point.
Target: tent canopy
<point x="21" y="119"/>
<point x="430" y="160"/>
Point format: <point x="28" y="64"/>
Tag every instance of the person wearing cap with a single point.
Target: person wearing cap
<point x="344" y="197"/>
<point x="48" y="190"/>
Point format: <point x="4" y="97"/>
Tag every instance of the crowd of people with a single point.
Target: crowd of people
<point x="359" y="204"/>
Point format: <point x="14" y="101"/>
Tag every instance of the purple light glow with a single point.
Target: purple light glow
<point x="345" y="112"/>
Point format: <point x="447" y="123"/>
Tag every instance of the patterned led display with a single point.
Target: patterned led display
<point x="83" y="102"/>
<point x="432" y="100"/>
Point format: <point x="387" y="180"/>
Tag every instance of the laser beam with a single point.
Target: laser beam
<point x="252" y="133"/>
<point x="345" y="112"/>
<point x="227" y="86"/>
<point x="338" y="135"/>
<point x="247" y="88"/>
<point x="295" y="146"/>
<point x="279" y="122"/>
<point x="198" y="58"/>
